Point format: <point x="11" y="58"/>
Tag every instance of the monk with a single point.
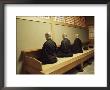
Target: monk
<point x="65" y="47"/>
<point x="49" y="50"/>
<point x="77" y="45"/>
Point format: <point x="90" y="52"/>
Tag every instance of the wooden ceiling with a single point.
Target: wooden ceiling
<point x="89" y="20"/>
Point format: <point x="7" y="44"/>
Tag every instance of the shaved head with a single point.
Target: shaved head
<point x="48" y="35"/>
<point x="64" y="35"/>
<point x="77" y="35"/>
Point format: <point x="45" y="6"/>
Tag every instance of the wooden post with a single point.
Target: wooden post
<point x="80" y="67"/>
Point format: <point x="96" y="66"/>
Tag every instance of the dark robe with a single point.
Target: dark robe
<point x="77" y="46"/>
<point x="49" y="52"/>
<point x="65" y="49"/>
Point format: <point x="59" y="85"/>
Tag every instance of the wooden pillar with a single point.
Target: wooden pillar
<point x="52" y="28"/>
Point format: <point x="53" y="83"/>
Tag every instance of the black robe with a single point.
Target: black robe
<point x="65" y="49"/>
<point x="77" y="46"/>
<point x="49" y="52"/>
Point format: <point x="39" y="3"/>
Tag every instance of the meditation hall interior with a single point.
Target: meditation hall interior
<point x="55" y="45"/>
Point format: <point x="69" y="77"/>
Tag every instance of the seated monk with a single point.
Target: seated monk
<point x="49" y="50"/>
<point x="77" y="45"/>
<point x="65" y="48"/>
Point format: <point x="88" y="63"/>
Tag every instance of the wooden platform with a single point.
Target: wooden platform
<point x="33" y="66"/>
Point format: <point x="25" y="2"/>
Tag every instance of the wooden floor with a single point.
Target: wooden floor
<point x="88" y="69"/>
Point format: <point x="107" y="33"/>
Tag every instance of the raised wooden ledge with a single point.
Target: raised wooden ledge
<point x="33" y="66"/>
